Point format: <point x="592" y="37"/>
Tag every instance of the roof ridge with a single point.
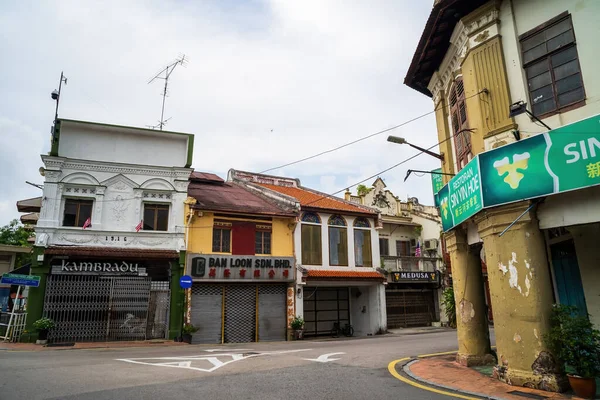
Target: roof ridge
<point x="335" y="198"/>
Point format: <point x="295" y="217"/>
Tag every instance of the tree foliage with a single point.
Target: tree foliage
<point x="449" y="304"/>
<point x="362" y="190"/>
<point x="15" y="234"/>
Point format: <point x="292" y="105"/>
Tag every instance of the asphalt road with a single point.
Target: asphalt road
<point x="283" y="370"/>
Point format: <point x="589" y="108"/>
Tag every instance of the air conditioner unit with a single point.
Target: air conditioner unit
<point x="431" y="244"/>
<point x="413" y="242"/>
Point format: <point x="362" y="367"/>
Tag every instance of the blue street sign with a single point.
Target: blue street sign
<point x="23" y="280"/>
<point x="185" y="282"/>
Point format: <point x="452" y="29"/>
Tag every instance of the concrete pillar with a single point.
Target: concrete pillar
<point x="521" y="296"/>
<point x="471" y="319"/>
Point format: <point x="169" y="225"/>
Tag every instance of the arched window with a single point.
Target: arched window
<point x="312" y="253"/>
<point x="338" y="241"/>
<point x="361" y="223"/>
<point x="458" y="113"/>
<point x="337" y="220"/>
<point x="363" y="255"/>
<point x="311" y="218"/>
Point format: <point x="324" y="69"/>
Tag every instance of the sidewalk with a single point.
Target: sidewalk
<point x="420" y="330"/>
<point x="444" y="372"/>
<point x="5" y="346"/>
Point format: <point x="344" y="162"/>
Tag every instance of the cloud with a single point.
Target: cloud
<point x="268" y="82"/>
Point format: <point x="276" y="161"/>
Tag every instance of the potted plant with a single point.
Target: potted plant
<point x="574" y="341"/>
<point x="186" y="332"/>
<point x="43" y="326"/>
<point x="297" y="325"/>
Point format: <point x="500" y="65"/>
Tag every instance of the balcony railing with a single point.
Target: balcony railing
<point x="407" y="263"/>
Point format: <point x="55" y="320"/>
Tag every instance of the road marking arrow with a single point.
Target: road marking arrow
<point x="324" y="358"/>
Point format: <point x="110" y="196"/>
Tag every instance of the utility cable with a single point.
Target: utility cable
<point x="365" y="137"/>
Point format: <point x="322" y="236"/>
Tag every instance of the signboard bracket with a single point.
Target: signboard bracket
<point x="518" y="218"/>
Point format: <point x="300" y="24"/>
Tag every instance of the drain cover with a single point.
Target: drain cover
<point x="528" y="395"/>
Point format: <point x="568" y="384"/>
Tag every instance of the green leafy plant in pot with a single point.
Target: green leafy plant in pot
<point x="43" y="326"/>
<point x="297" y="325"/>
<point x="187" y="331"/>
<point x="574" y="341"/>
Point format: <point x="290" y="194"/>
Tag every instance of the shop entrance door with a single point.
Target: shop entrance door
<point x="566" y="272"/>
<point x="240" y="321"/>
<point x="89" y="308"/>
<point x="323" y="307"/>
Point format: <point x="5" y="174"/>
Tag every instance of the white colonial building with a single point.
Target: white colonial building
<point x="111" y="223"/>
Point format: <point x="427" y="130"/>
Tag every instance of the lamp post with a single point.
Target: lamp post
<point x="56" y="94"/>
<point x="399" y="140"/>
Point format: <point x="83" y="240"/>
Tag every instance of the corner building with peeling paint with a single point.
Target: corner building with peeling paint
<point x="515" y="93"/>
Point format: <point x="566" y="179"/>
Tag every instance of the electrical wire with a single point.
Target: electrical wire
<point x="364" y="137"/>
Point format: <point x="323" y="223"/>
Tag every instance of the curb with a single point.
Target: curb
<point x="407" y="371"/>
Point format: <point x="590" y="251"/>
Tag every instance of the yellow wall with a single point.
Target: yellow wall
<point x="441" y="118"/>
<point x="487" y="113"/>
<point x="199" y="234"/>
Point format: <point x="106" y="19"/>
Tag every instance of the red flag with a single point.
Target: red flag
<point x="87" y="223"/>
<point x="139" y="226"/>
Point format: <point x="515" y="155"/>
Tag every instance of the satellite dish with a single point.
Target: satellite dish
<point x="42" y="171"/>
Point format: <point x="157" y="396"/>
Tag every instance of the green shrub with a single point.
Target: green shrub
<point x="449" y="304"/>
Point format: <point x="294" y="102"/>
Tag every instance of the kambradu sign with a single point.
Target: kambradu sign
<point x="69" y="267"/>
<point x="236" y="268"/>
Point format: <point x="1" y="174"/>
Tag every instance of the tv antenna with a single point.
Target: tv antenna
<point x="165" y="74"/>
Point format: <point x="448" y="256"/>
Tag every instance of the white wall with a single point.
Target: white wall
<point x="570" y="208"/>
<point x="118" y="190"/>
<point x="528" y="14"/>
<point x="122" y="145"/>
<point x="325" y="241"/>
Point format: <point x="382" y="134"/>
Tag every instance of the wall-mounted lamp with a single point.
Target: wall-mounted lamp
<point x="519" y="108"/>
<point x="399" y="140"/>
<point x="299" y="293"/>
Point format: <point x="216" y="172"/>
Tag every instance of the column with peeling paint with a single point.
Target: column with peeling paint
<point x="521" y="295"/>
<point x="471" y="315"/>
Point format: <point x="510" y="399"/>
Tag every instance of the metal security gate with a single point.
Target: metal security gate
<point x="206" y="314"/>
<point x="409" y="308"/>
<point x="158" y="310"/>
<point x="323" y="307"/>
<point x="231" y="313"/>
<point x="272" y="319"/>
<point x="97" y="308"/>
<point x="240" y="314"/>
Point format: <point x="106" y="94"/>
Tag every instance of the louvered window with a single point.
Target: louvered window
<point x="458" y="112"/>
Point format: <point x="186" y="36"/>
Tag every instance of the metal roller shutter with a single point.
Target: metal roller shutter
<point x="207" y="307"/>
<point x="409" y="308"/>
<point x="240" y="314"/>
<point x="271" y="313"/>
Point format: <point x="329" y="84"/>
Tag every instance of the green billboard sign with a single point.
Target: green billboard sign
<point x="563" y="159"/>
<point x="437" y="181"/>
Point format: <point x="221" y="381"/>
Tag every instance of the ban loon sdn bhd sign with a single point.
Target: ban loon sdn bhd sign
<point x="561" y="160"/>
<point x="215" y="266"/>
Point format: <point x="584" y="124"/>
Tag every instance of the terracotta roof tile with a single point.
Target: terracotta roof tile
<point x="308" y="198"/>
<point x="205" y="176"/>
<point x="83" y="251"/>
<point x="339" y="275"/>
<point x="230" y="197"/>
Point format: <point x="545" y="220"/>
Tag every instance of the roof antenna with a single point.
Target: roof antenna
<point x="166" y="73"/>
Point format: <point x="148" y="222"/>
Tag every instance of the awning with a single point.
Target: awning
<point x="32" y="205"/>
<point x="333" y="275"/>
<point x="91" y="252"/>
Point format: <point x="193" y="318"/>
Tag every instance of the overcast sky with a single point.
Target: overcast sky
<point x="268" y="82"/>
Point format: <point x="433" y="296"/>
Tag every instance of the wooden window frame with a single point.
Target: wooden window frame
<point x="460" y="123"/>
<point x="78" y="203"/>
<point x="366" y="262"/>
<point x="341" y="229"/>
<point x="154" y="224"/>
<point x="410" y="252"/>
<point x="222" y="230"/>
<point x="385" y="253"/>
<point x="305" y="260"/>
<point x="548" y="58"/>
<point x="261" y="246"/>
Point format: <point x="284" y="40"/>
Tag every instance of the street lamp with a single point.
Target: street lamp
<point x="399" y="140"/>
